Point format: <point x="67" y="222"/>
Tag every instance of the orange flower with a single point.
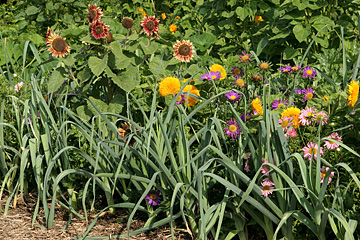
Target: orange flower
<point x="258" y="19"/>
<point x="141" y="10"/>
<point x="163" y="16"/>
<point x="173" y="28"/>
<point x="177" y="17"/>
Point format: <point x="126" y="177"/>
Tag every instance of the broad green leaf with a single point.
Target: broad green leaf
<point x="290" y="53"/>
<point x="31" y="10"/>
<point x="301" y="33"/>
<point x="98" y="65"/>
<point x="56" y="80"/>
<point x="203" y="41"/>
<point x="89" y="39"/>
<point x="127" y="79"/>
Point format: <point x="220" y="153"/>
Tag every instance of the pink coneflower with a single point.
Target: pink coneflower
<point x="18" y="86"/>
<point x="94" y="13"/>
<point x="279" y="103"/>
<point x="233" y="129"/>
<point x="245" y="58"/>
<point x="330" y="144"/>
<point x="306" y="116"/>
<point x="323" y="172"/>
<point x="310" y="149"/>
<point x="308" y="72"/>
<point x="99" y="30"/>
<point x="308" y="94"/>
<point x="286" y="69"/>
<point x="237" y="72"/>
<point x="321" y="118"/>
<point x="154" y="197"/>
<point x="183" y="51"/>
<point x="150" y="25"/>
<point x="233" y="96"/>
<point x="265" y="168"/>
<point x="266" y="187"/>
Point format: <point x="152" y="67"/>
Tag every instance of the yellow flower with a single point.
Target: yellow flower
<point x="173" y="28"/>
<point x="292" y="112"/>
<point x="353" y="93"/>
<point x="325" y="98"/>
<point x="169" y="85"/>
<point x="144" y="14"/>
<point x="264" y="66"/>
<point x="258" y="19"/>
<point x="240" y="82"/>
<point x="256" y="106"/>
<point x="141" y="10"/>
<point x="218" y="68"/>
<point x="177" y="17"/>
<point x="163" y="16"/>
<point x="191" y="89"/>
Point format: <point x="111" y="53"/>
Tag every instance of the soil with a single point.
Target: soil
<point x="16" y="224"/>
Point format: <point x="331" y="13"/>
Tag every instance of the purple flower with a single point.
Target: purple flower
<point x="308" y="94"/>
<point x="233" y="129"/>
<point x="308" y="72"/>
<point x="237" y="72"/>
<point x="212" y="76"/>
<point x="233" y="96"/>
<point x="245" y="117"/>
<point x="245" y="57"/>
<point x="295" y="68"/>
<point x="181" y="98"/>
<point x="279" y="103"/>
<point x="286" y="69"/>
<point x="298" y="91"/>
<point x="154" y="197"/>
<point x="282" y="89"/>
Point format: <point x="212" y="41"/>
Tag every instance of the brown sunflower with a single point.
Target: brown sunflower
<point x="99" y="30"/>
<point x="150" y="25"/>
<point x="95" y="13"/>
<point x="57" y="44"/>
<point x="183" y="51"/>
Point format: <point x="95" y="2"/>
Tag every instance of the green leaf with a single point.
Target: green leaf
<point x="89" y="39"/>
<point x="69" y="61"/>
<point x="262" y="44"/>
<point x="290" y="53"/>
<point x="31" y="10"/>
<point x="280" y="35"/>
<point x="203" y="41"/>
<point x="301" y="33"/>
<point x="242" y="12"/>
<point x="98" y="65"/>
<point x="127" y="80"/>
<point x="56" y="80"/>
<point x="116" y="49"/>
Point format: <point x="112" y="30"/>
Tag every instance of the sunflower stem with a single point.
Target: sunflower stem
<point x="72" y="75"/>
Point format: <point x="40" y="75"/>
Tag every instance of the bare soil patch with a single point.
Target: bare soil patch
<point x="16" y="224"/>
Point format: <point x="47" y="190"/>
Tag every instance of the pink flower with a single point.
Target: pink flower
<point x="246" y="167"/>
<point x="265" y="168"/>
<point x="285" y="122"/>
<point x="306" y="116"/>
<point x="233" y="129"/>
<point x="247" y="156"/>
<point x="323" y="172"/>
<point x="330" y="144"/>
<point x="310" y="149"/>
<point x="292" y="133"/>
<point x="154" y="197"/>
<point x="266" y="188"/>
<point x="308" y="72"/>
<point x="321" y="118"/>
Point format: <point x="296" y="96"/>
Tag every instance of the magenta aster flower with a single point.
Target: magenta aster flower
<point x="323" y="172"/>
<point x="306" y="116"/>
<point x="154" y="197"/>
<point x="279" y="103"/>
<point x="295" y="68"/>
<point x="233" y="96"/>
<point x="237" y="72"/>
<point x="233" y="129"/>
<point x="180" y="100"/>
<point x="310" y="149"/>
<point x="298" y="91"/>
<point x="330" y="144"/>
<point x="245" y="58"/>
<point x="308" y="94"/>
<point x="286" y="69"/>
<point x="321" y="118"/>
<point x="266" y="187"/>
<point x="308" y="72"/>
<point x="246" y="117"/>
<point x="212" y="76"/>
<point x="265" y="168"/>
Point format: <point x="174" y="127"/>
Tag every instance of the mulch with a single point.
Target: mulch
<point x="16" y="224"/>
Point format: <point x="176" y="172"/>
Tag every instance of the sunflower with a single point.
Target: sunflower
<point x="57" y="44"/>
<point x="190" y="89"/>
<point x="183" y="51"/>
<point x="99" y="30"/>
<point x="256" y="106"/>
<point x="150" y="25"/>
<point x="127" y="22"/>
<point x="94" y="13"/>
<point x="353" y="93"/>
<point x="169" y="85"/>
<point x="218" y="68"/>
<point x="294" y="113"/>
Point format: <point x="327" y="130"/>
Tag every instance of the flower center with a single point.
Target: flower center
<point x="295" y="69"/>
<point x="127" y="23"/>
<point x="92" y="14"/>
<point x="309" y="95"/>
<point x="245" y="58"/>
<point x="309" y="72"/>
<point x="59" y="44"/>
<point x="240" y="82"/>
<point x="213" y="77"/>
<point x="309" y="114"/>
<point x="284" y="123"/>
<point x="311" y="150"/>
<point x="99" y="30"/>
<point x="150" y="25"/>
<point x="331" y="142"/>
<point x="280" y="105"/>
<point x="266" y="188"/>
<point x="237" y="71"/>
<point x="264" y="66"/>
<point x="153" y="196"/>
<point x="323" y="174"/>
<point x="184" y="50"/>
<point x="248" y="117"/>
<point x="232" y="128"/>
<point x="233" y="97"/>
